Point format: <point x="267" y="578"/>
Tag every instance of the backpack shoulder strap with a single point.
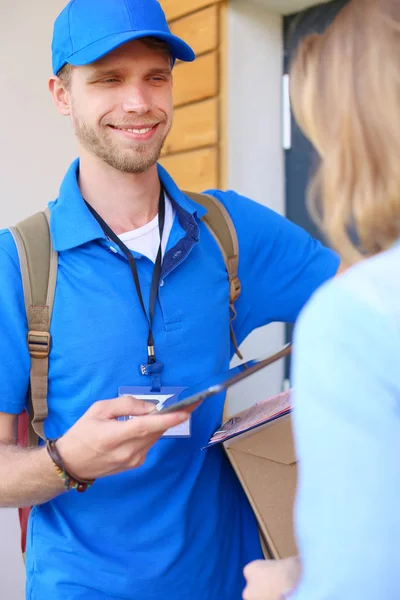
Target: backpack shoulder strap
<point x="38" y="263"/>
<point x="223" y="230"/>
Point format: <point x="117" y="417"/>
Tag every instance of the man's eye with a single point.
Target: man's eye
<point x="110" y="80"/>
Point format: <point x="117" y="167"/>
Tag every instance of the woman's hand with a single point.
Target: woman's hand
<point x="271" y="579"/>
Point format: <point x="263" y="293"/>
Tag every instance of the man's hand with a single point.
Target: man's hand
<point x="271" y="579"/>
<point x="98" y="445"/>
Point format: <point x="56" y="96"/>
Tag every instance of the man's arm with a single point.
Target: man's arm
<point x="280" y="264"/>
<point x="96" y="446"/>
<point x="27" y="477"/>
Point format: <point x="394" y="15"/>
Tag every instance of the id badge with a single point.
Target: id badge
<point x="158" y="398"/>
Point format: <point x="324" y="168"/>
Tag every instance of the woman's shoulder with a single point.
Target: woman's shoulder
<point x="369" y="290"/>
<point x="350" y="330"/>
<point x="354" y="320"/>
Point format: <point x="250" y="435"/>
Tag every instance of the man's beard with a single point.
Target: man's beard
<point x="138" y="158"/>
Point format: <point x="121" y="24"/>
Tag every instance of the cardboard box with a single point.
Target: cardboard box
<point x="265" y="463"/>
<point x="264" y="459"/>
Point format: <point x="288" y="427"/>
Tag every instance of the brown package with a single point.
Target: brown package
<point x="265" y="462"/>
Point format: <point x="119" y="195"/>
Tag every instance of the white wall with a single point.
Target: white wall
<point x="12" y="576"/>
<point x="255" y="155"/>
<point x="36" y="148"/>
<point x="37" y="144"/>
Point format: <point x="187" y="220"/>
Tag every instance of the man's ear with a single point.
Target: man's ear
<point x="61" y="96"/>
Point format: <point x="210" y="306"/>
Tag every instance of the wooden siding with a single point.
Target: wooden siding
<point x="196" y="170"/>
<point x="180" y="8"/>
<point x="195" y="126"/>
<point x="194" y="153"/>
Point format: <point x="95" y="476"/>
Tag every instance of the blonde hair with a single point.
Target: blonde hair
<point x="345" y="87"/>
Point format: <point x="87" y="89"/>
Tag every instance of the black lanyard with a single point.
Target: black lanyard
<point x="155" y="282"/>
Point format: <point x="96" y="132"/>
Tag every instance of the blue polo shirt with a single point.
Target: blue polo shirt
<point x="180" y="526"/>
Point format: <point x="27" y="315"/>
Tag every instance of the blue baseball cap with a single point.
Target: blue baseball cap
<point x="86" y="30"/>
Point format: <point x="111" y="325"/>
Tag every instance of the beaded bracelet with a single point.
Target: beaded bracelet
<point x="70" y="482"/>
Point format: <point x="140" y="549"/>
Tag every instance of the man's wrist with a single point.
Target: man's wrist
<point x="67" y="456"/>
<point x="51" y="474"/>
<point x="70" y="481"/>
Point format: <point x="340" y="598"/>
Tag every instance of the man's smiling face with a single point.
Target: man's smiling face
<point x="121" y="106"/>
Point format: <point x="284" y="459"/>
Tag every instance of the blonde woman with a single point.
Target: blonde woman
<point x="346" y="98"/>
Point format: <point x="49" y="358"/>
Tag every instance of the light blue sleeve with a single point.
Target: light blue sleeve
<point x="346" y="375"/>
<point x="14" y="355"/>
<point x="280" y="264"/>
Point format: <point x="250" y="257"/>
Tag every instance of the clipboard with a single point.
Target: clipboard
<point x="221" y="382"/>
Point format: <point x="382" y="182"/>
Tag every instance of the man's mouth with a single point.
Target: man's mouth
<point x="137" y="130"/>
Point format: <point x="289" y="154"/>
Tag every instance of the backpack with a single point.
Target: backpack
<point x="39" y="262"/>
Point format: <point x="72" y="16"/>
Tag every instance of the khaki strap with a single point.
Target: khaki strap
<point x="38" y="263"/>
<point x="223" y="230"/>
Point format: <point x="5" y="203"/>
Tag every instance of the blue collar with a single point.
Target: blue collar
<point x="73" y="225"/>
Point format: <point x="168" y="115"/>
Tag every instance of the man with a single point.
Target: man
<point x="164" y="519"/>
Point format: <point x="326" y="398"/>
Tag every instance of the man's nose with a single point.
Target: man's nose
<point x="137" y="100"/>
